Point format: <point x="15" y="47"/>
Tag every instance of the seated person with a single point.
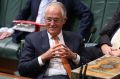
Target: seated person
<point x="75" y="9"/>
<point x="110" y="36"/>
<point x="108" y="43"/>
<point x="45" y="52"/>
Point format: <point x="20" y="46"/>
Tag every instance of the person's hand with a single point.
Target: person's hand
<point x="4" y="35"/>
<point x="106" y="49"/>
<point x="65" y="52"/>
<point x="58" y="51"/>
<point x="115" y="52"/>
<point x="51" y="53"/>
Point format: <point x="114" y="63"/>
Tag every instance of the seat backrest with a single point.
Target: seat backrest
<point x="9" y="9"/>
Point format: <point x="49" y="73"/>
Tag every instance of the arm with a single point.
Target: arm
<point x="115" y="52"/>
<point x="108" y="31"/>
<point x="28" y="63"/>
<point x="85" y="17"/>
<point x="25" y="13"/>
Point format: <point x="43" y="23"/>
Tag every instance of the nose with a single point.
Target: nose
<point x="52" y="22"/>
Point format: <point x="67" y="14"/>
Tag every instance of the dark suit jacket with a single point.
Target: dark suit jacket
<point x="75" y="9"/>
<point x="38" y="43"/>
<point x="109" y="30"/>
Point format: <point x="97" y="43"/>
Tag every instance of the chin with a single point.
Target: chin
<point x="52" y="32"/>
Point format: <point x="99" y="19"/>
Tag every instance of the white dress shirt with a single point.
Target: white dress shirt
<point x="55" y="65"/>
<point x="115" y="41"/>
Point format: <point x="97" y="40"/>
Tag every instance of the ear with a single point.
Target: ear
<point x="65" y="18"/>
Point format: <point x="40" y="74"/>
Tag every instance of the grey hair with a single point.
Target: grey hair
<point x="59" y="4"/>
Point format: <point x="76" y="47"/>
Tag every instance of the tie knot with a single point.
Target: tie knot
<point x="56" y="38"/>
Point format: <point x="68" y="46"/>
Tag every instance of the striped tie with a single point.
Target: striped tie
<point x="64" y="60"/>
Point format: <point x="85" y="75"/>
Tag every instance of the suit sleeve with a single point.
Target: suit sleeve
<point x="85" y="19"/>
<point x="25" y="13"/>
<point x="28" y="63"/>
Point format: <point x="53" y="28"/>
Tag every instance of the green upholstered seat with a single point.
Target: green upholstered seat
<point x="8" y="49"/>
<point x="9" y="9"/>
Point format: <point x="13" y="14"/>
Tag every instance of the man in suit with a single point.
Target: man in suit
<point x="108" y="33"/>
<point x="41" y="57"/>
<point x="75" y="9"/>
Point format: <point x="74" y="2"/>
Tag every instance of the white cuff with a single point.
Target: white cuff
<point x="4" y="29"/>
<point x="77" y="60"/>
<point x="40" y="61"/>
<point x="10" y="30"/>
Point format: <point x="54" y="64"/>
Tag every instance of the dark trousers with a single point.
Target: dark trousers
<point x="56" y="77"/>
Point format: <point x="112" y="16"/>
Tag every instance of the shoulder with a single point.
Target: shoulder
<point x="36" y="35"/>
<point x="73" y="35"/>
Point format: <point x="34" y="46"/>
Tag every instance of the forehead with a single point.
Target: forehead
<point x="53" y="11"/>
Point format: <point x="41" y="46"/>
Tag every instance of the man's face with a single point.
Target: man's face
<point x="54" y="20"/>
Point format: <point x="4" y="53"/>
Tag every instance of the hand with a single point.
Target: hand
<point x="4" y="35"/>
<point x="51" y="53"/>
<point x="58" y="51"/>
<point x="115" y="52"/>
<point x="48" y="55"/>
<point x="65" y="52"/>
<point x="106" y="49"/>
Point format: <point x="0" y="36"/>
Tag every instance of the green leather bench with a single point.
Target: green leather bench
<point x="102" y="11"/>
<point x="8" y="49"/>
<point x="9" y="9"/>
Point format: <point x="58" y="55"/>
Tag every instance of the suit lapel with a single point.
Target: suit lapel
<point x="45" y="41"/>
<point x="44" y="47"/>
<point x="67" y="40"/>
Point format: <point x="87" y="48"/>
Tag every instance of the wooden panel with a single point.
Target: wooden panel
<point x="9" y="76"/>
<point x="8" y="65"/>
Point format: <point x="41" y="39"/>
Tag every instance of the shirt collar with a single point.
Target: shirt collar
<point x="59" y="35"/>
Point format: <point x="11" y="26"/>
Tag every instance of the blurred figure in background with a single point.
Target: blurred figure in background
<point x="34" y="11"/>
<point x="110" y="36"/>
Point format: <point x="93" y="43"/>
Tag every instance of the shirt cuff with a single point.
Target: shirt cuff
<point x="4" y="29"/>
<point x="10" y="30"/>
<point x="40" y="61"/>
<point x="77" y="59"/>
